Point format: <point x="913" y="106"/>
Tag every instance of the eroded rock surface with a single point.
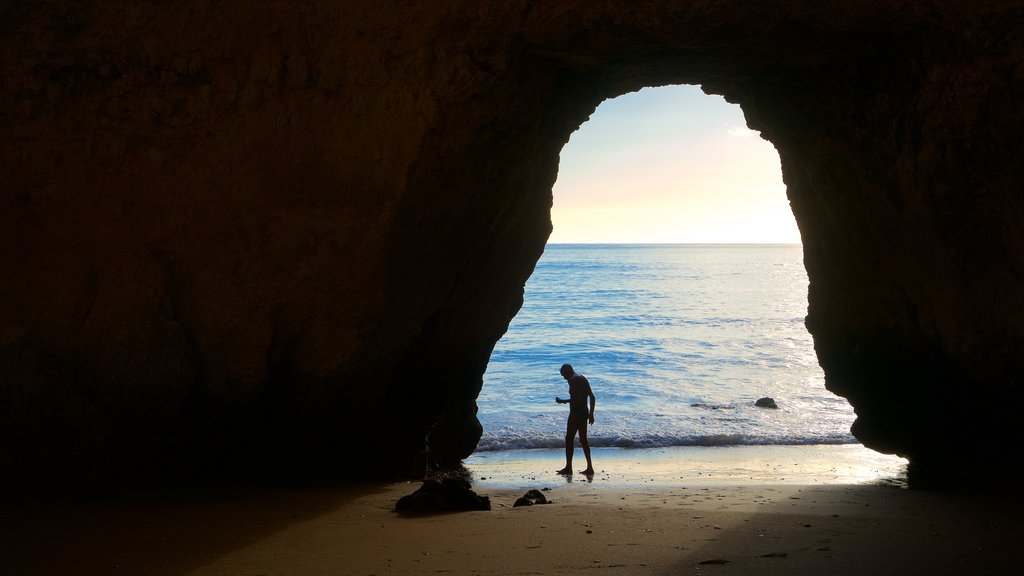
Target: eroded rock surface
<point x="282" y="241"/>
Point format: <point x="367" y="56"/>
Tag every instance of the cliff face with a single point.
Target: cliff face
<point x="282" y="241"/>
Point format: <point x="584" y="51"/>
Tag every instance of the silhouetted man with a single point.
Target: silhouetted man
<point x="579" y="416"/>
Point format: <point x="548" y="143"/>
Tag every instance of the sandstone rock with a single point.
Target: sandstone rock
<point x="454" y="436"/>
<point x="284" y="241"/>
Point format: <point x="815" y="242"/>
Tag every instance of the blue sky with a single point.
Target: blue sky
<point x="670" y="164"/>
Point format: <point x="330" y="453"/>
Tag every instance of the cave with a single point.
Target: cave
<point x="280" y="243"/>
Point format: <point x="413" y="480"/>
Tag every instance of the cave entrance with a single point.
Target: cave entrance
<point x="674" y="280"/>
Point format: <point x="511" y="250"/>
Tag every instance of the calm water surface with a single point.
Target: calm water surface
<point x="678" y="341"/>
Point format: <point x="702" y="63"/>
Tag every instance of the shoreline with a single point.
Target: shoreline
<point x="810" y="464"/>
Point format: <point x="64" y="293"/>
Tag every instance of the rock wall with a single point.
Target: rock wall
<point x="280" y="241"/>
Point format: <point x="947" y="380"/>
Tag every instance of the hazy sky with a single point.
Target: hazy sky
<point x="670" y="164"/>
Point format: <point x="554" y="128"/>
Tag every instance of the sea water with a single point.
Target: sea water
<point x="678" y="342"/>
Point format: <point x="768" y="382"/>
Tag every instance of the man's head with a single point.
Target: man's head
<point x="566" y="370"/>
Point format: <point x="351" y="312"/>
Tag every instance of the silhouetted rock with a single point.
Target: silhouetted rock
<point x="454" y="436"/>
<point x="447" y="494"/>
<point x="295" y="240"/>
<point x="530" y="498"/>
<point x="765" y="402"/>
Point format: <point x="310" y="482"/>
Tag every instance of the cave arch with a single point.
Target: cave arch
<point x="255" y="234"/>
<point x="872" y="235"/>
<point x="613" y="187"/>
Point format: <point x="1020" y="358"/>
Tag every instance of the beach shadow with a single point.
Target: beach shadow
<point x="157" y="533"/>
<point x="849" y="529"/>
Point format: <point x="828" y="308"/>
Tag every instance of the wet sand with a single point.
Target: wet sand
<point x="697" y="465"/>
<point x="621" y="522"/>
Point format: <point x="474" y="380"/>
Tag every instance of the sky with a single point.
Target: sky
<point x="670" y="165"/>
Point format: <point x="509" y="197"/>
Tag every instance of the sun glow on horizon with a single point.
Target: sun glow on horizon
<point x="670" y="165"/>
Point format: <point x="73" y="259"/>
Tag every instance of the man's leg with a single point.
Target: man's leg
<point x="586" y="448"/>
<point x="570" y="433"/>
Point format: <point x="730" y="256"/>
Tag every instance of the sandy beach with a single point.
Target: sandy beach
<point x="626" y="520"/>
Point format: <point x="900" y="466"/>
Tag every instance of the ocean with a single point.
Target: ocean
<point x="678" y="342"/>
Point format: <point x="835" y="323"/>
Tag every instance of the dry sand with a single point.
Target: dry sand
<point x="631" y="526"/>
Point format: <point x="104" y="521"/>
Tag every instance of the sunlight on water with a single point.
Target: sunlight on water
<point x="678" y="342"/>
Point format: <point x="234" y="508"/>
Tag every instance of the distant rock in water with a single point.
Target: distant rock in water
<point x="766" y="402"/>
<point x="448" y="494"/>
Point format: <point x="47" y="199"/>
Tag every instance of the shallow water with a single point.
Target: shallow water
<point x="694" y="465"/>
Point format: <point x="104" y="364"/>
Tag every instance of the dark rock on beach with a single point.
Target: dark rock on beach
<point x="530" y="498"/>
<point x="446" y="495"/>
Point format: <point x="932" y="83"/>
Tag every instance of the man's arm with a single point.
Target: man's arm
<point x="593" y="402"/>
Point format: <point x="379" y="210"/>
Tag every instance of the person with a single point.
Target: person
<point x="579" y="416"/>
